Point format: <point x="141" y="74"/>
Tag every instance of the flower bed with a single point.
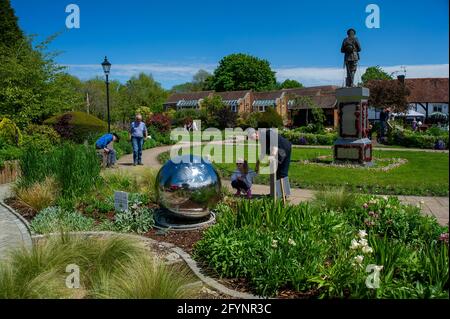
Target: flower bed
<point x="317" y="252"/>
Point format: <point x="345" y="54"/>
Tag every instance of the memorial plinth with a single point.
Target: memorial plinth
<point x="353" y="144"/>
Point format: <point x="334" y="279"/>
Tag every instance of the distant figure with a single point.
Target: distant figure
<point x="351" y="48"/>
<point x="139" y="133"/>
<point x="414" y="125"/>
<point x="384" y="117"/>
<point x="104" y="145"/>
<point x="370" y="131"/>
<point x="242" y="178"/>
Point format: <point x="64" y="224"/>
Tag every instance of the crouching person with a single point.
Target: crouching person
<point x="242" y="178"/>
<point x="105" y="146"/>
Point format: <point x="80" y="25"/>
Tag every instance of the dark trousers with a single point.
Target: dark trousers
<point x="239" y="185"/>
<point x="283" y="166"/>
<point x="138" y="143"/>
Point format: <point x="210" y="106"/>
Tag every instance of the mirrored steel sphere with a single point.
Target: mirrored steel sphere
<point x="188" y="187"/>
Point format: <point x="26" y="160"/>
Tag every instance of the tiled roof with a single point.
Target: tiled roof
<point x="232" y="95"/>
<point x="322" y="96"/>
<point x="272" y="95"/>
<point x="174" y="98"/>
<point x="432" y="90"/>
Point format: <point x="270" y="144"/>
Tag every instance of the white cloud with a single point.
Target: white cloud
<point x="171" y="74"/>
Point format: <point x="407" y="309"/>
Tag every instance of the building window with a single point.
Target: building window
<point x="234" y="108"/>
<point x="437" y="108"/>
<point x="262" y="108"/>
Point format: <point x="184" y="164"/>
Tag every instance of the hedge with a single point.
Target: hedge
<point x="417" y="140"/>
<point x="299" y="138"/>
<point x="77" y="126"/>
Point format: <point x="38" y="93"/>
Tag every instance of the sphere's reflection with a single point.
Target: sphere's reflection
<point x="188" y="186"/>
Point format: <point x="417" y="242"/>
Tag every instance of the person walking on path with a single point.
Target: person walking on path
<point x="139" y="133"/>
<point x="104" y="145"/>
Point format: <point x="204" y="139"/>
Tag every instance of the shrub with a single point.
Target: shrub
<point x="76" y="126"/>
<point x="10" y="133"/>
<point x="160" y="122"/>
<point x="299" y="138"/>
<point x="41" y="137"/>
<point x="270" y="119"/>
<point x="409" y="138"/>
<point x="56" y="219"/>
<point x="39" y="195"/>
<point x="8" y="153"/>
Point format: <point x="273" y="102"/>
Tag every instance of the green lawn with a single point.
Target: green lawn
<point x="424" y="174"/>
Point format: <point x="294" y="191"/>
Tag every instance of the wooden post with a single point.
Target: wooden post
<point x="283" y="194"/>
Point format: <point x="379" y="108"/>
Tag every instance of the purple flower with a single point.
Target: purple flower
<point x="444" y="237"/>
<point x="365" y="206"/>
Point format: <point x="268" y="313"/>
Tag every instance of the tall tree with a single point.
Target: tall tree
<point x="242" y="72"/>
<point x="388" y="93"/>
<point x="10" y="32"/>
<point x="375" y="73"/>
<point x="143" y="90"/>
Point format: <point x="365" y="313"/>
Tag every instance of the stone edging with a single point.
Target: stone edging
<point x="22" y="224"/>
<point x="192" y="264"/>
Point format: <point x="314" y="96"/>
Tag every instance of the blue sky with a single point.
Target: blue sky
<point x="301" y="39"/>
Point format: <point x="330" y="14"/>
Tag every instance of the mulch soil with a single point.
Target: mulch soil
<point x="20" y="207"/>
<point x="182" y="239"/>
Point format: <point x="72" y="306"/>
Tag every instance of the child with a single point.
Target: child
<point x="242" y="178"/>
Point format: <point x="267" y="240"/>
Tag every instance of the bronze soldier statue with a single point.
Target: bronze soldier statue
<point x="351" y="48"/>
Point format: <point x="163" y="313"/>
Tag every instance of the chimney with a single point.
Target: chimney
<point x="401" y="79"/>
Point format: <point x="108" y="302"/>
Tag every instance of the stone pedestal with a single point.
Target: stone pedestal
<point x="353" y="144"/>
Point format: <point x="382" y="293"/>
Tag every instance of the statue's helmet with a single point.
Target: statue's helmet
<point x="350" y="30"/>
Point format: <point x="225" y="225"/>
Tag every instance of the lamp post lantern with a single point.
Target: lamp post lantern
<point x="107" y="68"/>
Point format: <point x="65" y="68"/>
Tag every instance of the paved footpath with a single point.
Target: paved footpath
<point x="13" y="232"/>
<point x="436" y="206"/>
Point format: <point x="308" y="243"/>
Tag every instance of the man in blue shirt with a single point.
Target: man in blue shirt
<point x="103" y="143"/>
<point x="138" y="131"/>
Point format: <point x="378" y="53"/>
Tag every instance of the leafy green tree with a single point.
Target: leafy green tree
<point x="374" y="73"/>
<point x="219" y="115"/>
<point x="290" y="84"/>
<point x="143" y="90"/>
<point x="242" y="72"/>
<point x="10" y="32"/>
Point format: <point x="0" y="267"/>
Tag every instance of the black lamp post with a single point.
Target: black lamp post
<point x="106" y="68"/>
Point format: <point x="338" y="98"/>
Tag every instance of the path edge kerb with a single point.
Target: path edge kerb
<point x="191" y="263"/>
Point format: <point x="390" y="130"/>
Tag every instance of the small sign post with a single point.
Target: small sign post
<point x="121" y="201"/>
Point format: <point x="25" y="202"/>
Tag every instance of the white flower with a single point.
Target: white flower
<point x="274" y="243"/>
<point x="362" y="234"/>
<point x="388" y="206"/>
<point x="367" y="250"/>
<point x="291" y="242"/>
<point x="135" y="206"/>
<point x="354" y="244"/>
<point x="363" y="242"/>
<point x="378" y="268"/>
<point x="422" y="202"/>
<point x="359" y="259"/>
<point x="385" y="198"/>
